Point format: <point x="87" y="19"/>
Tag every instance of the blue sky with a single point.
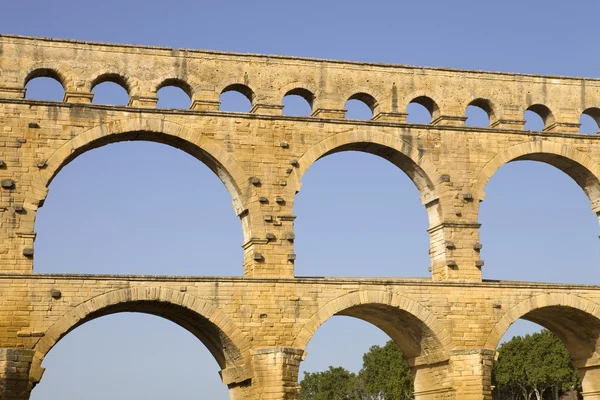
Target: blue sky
<point x="105" y="212"/>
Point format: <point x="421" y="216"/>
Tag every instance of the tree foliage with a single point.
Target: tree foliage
<point x="334" y="384"/>
<point x="535" y="365"/>
<point x="384" y="376"/>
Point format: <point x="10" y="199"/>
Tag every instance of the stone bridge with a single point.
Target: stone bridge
<point x="258" y="325"/>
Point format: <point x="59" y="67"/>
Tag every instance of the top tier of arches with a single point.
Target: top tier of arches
<point x="325" y="85"/>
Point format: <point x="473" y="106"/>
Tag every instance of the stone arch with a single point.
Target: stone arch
<point x="120" y="79"/>
<point x="422" y="338"/>
<point x="400" y="153"/>
<point x="562" y="314"/>
<point x="370" y="97"/>
<point x="304" y="90"/>
<point x="239" y="85"/>
<point x="158" y="130"/>
<point x="179" y="83"/>
<point x="487" y="105"/>
<point x="424" y="98"/>
<point x="581" y="168"/>
<point x="544" y="112"/>
<point x="226" y="342"/>
<point x="309" y="87"/>
<point x="46" y="72"/>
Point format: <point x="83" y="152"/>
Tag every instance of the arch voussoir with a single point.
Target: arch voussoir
<point x="129" y="299"/>
<point x="376" y="298"/>
<point x="535" y="303"/>
<point x="547" y="147"/>
<point x="229" y="171"/>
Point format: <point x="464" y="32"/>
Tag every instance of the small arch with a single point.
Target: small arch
<point x="367" y="99"/>
<point x="235" y="102"/>
<point x="593" y="115"/>
<point x="114" y="78"/>
<point x="45" y="73"/>
<point x="430" y="105"/>
<point x="45" y="84"/>
<point x="543" y="112"/>
<point x="179" y="83"/>
<point x="177" y="94"/>
<point x="226" y="342"/>
<point x="110" y="93"/>
<point x="480" y="112"/>
<point x="299" y="102"/>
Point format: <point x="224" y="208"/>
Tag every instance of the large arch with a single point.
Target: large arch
<point x="549" y="310"/>
<point x="573" y="319"/>
<point x="423" y="340"/>
<point x="400" y="153"/>
<point x="150" y="129"/>
<point x="581" y="168"/>
<point x="417" y="331"/>
<point x="226" y="342"/>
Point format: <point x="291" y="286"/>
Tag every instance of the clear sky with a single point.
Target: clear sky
<point x="109" y="211"/>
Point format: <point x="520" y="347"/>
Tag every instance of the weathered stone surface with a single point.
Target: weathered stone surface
<point x="258" y="326"/>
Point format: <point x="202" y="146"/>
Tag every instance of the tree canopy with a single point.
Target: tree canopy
<point x="531" y="366"/>
<point x="384" y="376"/>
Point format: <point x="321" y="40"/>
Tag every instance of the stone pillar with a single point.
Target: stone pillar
<point x="432" y="380"/>
<point x="276" y="373"/>
<point x="565" y="121"/>
<point x="509" y="117"/>
<point x="450" y="114"/>
<point x="145" y="101"/>
<point x="455" y="251"/>
<point x="15" y="383"/>
<point x="12" y="92"/>
<point x="472" y="373"/>
<point x="78" y="97"/>
<point x="329" y="105"/>
<point x="589" y="373"/>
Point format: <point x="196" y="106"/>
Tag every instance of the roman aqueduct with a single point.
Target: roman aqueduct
<point x="258" y="325"/>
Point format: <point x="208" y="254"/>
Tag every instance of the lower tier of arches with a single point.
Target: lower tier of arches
<point x="257" y="330"/>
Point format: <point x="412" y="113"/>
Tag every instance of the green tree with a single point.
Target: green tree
<point x="548" y="364"/>
<point x="508" y="373"/>
<point x="532" y="365"/>
<point x="333" y="384"/>
<point x="385" y="374"/>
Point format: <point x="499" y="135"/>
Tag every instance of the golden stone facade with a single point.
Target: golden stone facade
<point x="257" y="326"/>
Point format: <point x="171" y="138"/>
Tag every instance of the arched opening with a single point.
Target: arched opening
<point x="139" y="207"/>
<point x="422" y="110"/>
<point x="537" y="224"/>
<point x="479" y="113"/>
<point x="416" y="352"/>
<point x="125" y="356"/>
<point x="236" y="98"/>
<point x="538" y="117"/>
<point x="547" y="347"/>
<point x="111" y="89"/>
<point x="367" y="205"/>
<point x="590" y="121"/>
<point x="336" y="354"/>
<point x="227" y="345"/>
<point x="298" y="102"/>
<point x="44" y="84"/>
<point x="174" y="93"/>
<point x="361" y="106"/>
